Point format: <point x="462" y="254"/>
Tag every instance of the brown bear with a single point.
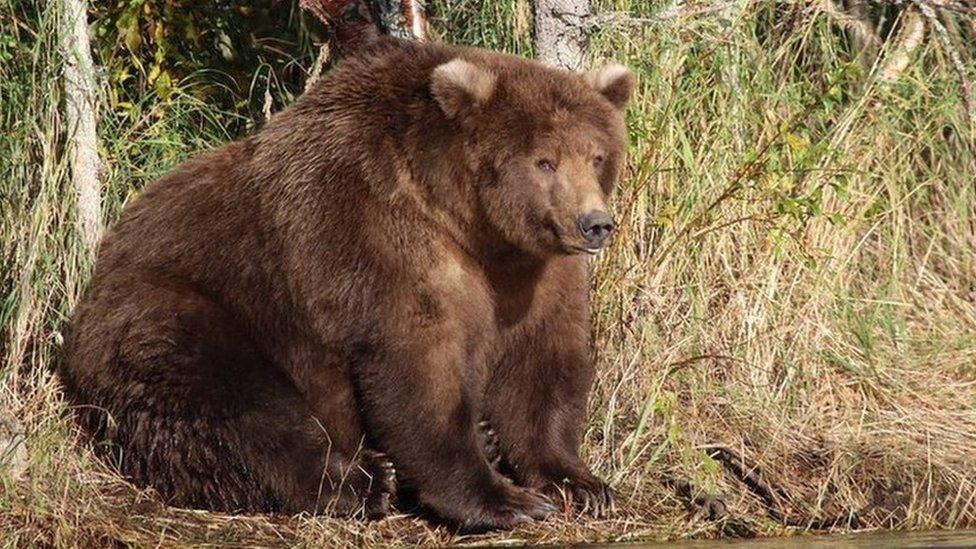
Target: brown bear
<point x="395" y="257"/>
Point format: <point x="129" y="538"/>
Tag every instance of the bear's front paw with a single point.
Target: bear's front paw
<point x="506" y="507"/>
<point x="582" y="492"/>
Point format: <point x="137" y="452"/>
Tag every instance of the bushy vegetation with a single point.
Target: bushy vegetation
<point x="245" y="57"/>
<point x="785" y="324"/>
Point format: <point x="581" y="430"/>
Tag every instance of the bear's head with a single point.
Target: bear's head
<point x="545" y="147"/>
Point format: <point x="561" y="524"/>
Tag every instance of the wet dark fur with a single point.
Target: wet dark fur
<point x="271" y="314"/>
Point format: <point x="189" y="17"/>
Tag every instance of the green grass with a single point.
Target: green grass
<point x="793" y="281"/>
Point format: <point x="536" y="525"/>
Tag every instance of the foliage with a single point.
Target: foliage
<point x="228" y="53"/>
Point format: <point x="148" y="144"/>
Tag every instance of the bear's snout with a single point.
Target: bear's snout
<point x="595" y="227"/>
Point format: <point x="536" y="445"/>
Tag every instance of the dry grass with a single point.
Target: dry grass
<point x="785" y="325"/>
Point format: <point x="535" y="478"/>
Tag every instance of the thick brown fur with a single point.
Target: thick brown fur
<point x="388" y="261"/>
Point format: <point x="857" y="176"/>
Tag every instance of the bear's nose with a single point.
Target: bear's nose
<point x="595" y="227"/>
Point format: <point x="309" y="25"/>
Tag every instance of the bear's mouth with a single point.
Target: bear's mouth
<point x="574" y="249"/>
<point x="583" y="249"/>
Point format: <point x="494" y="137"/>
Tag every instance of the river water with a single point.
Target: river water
<point x="894" y="540"/>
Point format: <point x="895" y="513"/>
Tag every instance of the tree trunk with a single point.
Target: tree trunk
<point x="79" y="115"/>
<point x="562" y="32"/>
<point x="356" y="22"/>
<point x="414" y="19"/>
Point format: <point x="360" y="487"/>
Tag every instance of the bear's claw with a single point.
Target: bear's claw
<point x="490" y="443"/>
<point x="382" y="490"/>
<point x="590" y="496"/>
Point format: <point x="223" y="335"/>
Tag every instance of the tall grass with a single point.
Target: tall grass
<point x="785" y="323"/>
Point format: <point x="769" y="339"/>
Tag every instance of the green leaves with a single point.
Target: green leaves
<point x="218" y="51"/>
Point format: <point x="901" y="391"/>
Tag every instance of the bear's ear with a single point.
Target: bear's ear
<point x="459" y="85"/>
<point x="614" y="81"/>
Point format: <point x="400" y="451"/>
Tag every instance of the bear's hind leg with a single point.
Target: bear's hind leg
<point x="203" y="418"/>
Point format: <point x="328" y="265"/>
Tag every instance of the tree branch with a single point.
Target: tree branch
<point x="925" y="7"/>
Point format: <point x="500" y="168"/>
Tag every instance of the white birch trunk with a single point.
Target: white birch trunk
<point x="79" y="99"/>
<point x="561" y="32"/>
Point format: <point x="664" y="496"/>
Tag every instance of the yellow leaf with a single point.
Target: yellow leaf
<point x="133" y="39"/>
<point x="795" y="142"/>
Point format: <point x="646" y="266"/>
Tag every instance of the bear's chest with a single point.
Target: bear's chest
<point x="518" y="291"/>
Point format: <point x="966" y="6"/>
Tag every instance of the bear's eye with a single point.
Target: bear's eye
<point x="598" y="160"/>
<point x="545" y="165"/>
